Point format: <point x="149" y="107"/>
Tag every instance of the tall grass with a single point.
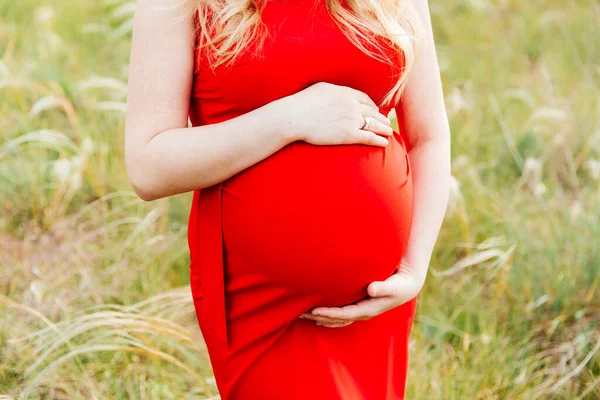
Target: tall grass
<point x="94" y="301"/>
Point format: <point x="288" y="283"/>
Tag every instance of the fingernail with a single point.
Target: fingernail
<point x="388" y="121"/>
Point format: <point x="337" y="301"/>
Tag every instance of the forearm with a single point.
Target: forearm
<point x="184" y="159"/>
<point x="430" y="163"/>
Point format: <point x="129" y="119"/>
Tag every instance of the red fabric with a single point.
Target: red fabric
<point x="308" y="226"/>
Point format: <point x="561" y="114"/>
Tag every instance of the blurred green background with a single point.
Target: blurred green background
<point x="93" y="295"/>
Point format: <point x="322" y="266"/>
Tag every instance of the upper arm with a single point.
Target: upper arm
<point x="421" y="111"/>
<point x="160" y="71"/>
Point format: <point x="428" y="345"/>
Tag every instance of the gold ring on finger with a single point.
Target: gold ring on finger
<point x="367" y="122"/>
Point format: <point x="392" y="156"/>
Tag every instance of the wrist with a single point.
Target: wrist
<point x="414" y="282"/>
<point x="415" y="268"/>
<point x="280" y="116"/>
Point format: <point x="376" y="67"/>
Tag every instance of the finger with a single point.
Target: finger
<point x="369" y="112"/>
<point x="364" y="309"/>
<point x="398" y="288"/>
<point x="379" y="128"/>
<point x="321" y="319"/>
<point x="340" y="325"/>
<point x="382" y="288"/>
<point x="371" y="138"/>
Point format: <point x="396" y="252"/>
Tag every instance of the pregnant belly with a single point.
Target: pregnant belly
<point x="320" y="220"/>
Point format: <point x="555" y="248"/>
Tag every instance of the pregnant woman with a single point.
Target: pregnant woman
<point x="312" y="221"/>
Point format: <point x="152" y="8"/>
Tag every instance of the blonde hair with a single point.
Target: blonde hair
<point x="226" y="27"/>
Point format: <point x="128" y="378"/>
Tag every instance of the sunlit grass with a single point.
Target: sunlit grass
<point x="94" y="301"/>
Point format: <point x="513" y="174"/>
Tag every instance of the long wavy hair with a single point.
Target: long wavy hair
<point x="226" y="27"/>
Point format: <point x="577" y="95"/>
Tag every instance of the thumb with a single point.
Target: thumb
<point x="379" y="289"/>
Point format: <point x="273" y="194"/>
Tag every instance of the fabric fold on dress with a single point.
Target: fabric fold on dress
<point x="208" y="204"/>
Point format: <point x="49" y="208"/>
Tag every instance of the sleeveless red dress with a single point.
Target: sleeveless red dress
<point x="308" y="226"/>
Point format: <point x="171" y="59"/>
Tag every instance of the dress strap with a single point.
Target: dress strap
<point x="210" y="259"/>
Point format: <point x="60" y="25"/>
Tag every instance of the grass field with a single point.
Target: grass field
<point x="94" y="301"/>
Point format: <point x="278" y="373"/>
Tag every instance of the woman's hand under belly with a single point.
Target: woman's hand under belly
<point x="321" y="220"/>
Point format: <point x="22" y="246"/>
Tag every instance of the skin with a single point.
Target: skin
<point x="165" y="157"/>
<point x="422" y="115"/>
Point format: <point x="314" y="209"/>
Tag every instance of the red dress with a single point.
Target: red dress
<point x="308" y="226"/>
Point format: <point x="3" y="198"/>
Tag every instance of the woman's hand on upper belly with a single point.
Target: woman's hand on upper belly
<point x="399" y="288"/>
<point x="328" y="114"/>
